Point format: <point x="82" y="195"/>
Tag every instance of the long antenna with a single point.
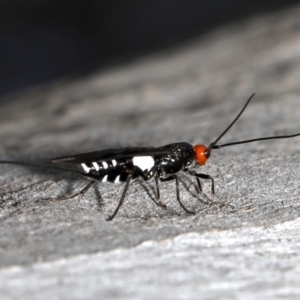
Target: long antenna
<point x="255" y="140"/>
<point x="231" y="124"/>
<point x="214" y="145"/>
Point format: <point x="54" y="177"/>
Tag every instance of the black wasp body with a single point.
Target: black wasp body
<point x="114" y="165"/>
<point x="127" y="164"/>
<point x="161" y="163"/>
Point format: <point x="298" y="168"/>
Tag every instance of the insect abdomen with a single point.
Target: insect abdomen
<point x="117" y="170"/>
<point x="111" y="171"/>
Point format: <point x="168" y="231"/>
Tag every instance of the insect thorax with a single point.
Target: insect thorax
<point x="181" y="156"/>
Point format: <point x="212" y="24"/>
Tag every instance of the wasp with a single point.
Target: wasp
<point x="161" y="163"/>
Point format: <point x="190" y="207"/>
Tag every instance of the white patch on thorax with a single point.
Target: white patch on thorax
<point x="105" y="165"/>
<point x="143" y="162"/>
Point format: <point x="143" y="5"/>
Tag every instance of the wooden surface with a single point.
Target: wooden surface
<point x="67" y="250"/>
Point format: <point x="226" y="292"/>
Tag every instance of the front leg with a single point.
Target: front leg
<point x="205" y="176"/>
<point x="174" y="177"/>
<point x="202" y="176"/>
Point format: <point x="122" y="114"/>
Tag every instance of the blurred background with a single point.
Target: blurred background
<point x="44" y="40"/>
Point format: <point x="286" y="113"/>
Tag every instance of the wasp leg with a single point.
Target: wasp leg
<point x="122" y="197"/>
<point x="159" y="203"/>
<point x="146" y="176"/>
<point x="203" y="176"/>
<point x="81" y="192"/>
<point x="174" y="177"/>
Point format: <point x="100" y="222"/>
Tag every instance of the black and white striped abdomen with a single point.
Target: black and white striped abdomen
<point x="117" y="170"/>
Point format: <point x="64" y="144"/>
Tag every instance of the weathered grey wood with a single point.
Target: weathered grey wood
<point x="67" y="250"/>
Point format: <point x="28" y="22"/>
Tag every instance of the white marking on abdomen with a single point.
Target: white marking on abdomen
<point x="96" y="166"/>
<point x="114" y="162"/>
<point x="117" y="180"/>
<point x="104" y="179"/>
<point x="105" y="165"/>
<point x="143" y="162"/>
<point x="85" y="168"/>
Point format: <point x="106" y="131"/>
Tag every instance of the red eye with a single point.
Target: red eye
<point x="202" y="154"/>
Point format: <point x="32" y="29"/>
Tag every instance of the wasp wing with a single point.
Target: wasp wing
<point x="116" y="154"/>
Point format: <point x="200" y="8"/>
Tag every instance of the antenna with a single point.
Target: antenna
<point x="214" y="145"/>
